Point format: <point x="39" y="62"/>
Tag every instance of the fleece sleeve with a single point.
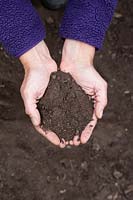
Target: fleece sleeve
<point x="87" y="20"/>
<point x="20" y="26"/>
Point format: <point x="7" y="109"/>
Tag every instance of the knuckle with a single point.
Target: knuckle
<point x="24" y="92"/>
<point x="106" y="101"/>
<point x="105" y="84"/>
<point x="21" y="90"/>
<point x="28" y="111"/>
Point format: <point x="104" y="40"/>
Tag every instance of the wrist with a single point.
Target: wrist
<point x="35" y="57"/>
<point x="78" y="52"/>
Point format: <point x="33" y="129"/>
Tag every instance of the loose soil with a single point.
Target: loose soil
<point x="33" y="169"/>
<point x="65" y="108"/>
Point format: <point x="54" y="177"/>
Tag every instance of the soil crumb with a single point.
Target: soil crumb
<point x="65" y="108"/>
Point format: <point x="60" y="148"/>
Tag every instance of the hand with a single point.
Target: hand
<point x="38" y="66"/>
<point x="77" y="59"/>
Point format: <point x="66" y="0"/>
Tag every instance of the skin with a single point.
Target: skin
<point x="38" y="66"/>
<point x="77" y="59"/>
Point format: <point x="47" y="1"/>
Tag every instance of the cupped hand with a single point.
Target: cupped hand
<point x="80" y="66"/>
<point x="38" y="66"/>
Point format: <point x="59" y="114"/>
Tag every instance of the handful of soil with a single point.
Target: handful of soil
<point x="65" y="108"/>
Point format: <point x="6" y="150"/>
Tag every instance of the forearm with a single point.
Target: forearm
<point x="20" y="26"/>
<point x="87" y="20"/>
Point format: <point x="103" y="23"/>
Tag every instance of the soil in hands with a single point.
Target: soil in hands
<point x="65" y="108"/>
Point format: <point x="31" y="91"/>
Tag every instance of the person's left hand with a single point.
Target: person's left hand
<point x="77" y="59"/>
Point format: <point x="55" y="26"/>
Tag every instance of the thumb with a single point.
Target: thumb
<point x="99" y="110"/>
<point x="101" y="102"/>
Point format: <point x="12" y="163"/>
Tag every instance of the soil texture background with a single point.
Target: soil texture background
<point x="33" y="169"/>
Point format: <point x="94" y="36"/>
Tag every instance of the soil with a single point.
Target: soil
<point x="33" y="169"/>
<point x="65" y="108"/>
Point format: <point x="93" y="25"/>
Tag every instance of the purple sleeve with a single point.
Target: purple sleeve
<point x="20" y="26"/>
<point x="87" y="20"/>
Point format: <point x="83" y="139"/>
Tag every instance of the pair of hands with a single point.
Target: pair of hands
<point x="77" y="59"/>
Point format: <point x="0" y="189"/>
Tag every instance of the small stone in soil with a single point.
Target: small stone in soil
<point x="117" y="174"/>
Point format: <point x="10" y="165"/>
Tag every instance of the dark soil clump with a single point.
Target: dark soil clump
<point x="65" y="108"/>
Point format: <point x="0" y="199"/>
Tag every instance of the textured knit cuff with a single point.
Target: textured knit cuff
<point x="20" y="26"/>
<point x="87" y="20"/>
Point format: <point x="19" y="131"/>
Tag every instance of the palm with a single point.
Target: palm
<point x="32" y="89"/>
<point x="93" y="85"/>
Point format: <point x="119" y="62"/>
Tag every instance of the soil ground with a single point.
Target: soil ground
<point x="33" y="169"/>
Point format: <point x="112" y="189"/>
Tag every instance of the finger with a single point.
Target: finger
<point x="32" y="111"/>
<point x="51" y="136"/>
<point x="71" y="142"/>
<point x="62" y="143"/>
<point x="35" y="118"/>
<point x="88" y="90"/>
<point x="76" y="140"/>
<point x="101" y="101"/>
<point x="87" y="132"/>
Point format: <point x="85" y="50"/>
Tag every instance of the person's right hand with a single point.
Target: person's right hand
<point x="38" y="66"/>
